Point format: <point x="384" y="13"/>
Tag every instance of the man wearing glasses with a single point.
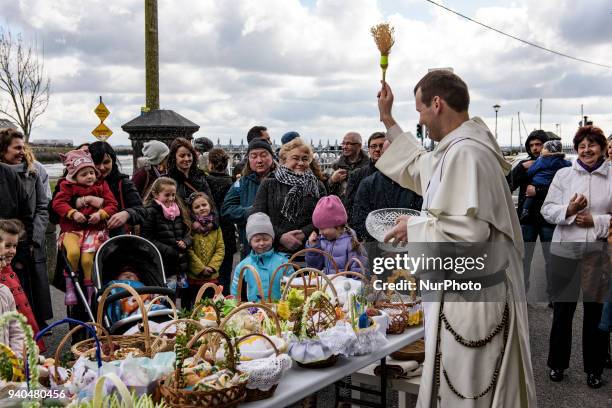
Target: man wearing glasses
<point x="375" y="149"/>
<point x="352" y="158"/>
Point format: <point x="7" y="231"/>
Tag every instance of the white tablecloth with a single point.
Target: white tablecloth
<point x="300" y="382"/>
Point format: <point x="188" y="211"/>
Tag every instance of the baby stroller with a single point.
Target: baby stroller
<point x="124" y="250"/>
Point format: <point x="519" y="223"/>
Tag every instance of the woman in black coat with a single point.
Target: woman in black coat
<point x="183" y="168"/>
<point x="129" y="200"/>
<point x="220" y="182"/>
<point x="130" y="212"/>
<point x="289" y="196"/>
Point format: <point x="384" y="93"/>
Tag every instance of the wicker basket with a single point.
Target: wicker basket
<point x="285" y="268"/>
<point x="398" y="320"/>
<point x="254" y="394"/>
<point x="262" y="297"/>
<point x="414" y="351"/>
<point x="141" y="341"/>
<point x="310" y="274"/>
<point x="328" y="362"/>
<point x="92" y="328"/>
<point x="225" y="398"/>
<point x="364" y="280"/>
<point x="218" y="291"/>
<point x="171" y="341"/>
<point x="362" y="268"/>
<point x="309" y="287"/>
<point x="325" y="312"/>
<point x="196" y="310"/>
<point x="245" y="306"/>
<point x="167" y="299"/>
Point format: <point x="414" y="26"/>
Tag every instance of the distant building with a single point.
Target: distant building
<point x="52" y="142"/>
<point x="5" y="123"/>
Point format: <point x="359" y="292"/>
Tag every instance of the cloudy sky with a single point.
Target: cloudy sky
<point x="312" y="66"/>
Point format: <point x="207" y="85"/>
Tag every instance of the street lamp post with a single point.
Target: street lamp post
<point x="496" y="107"/>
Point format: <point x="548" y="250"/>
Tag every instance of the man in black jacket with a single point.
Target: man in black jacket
<point x="375" y="149"/>
<point x="534" y="225"/>
<point x="378" y="191"/>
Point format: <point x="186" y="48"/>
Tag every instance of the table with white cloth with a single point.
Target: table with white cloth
<point x="299" y="382"/>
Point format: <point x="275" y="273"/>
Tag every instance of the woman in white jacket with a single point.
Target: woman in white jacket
<point x="579" y="202"/>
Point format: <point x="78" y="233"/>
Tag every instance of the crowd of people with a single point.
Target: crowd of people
<point x="200" y="217"/>
<point x="567" y="205"/>
<point x="183" y="199"/>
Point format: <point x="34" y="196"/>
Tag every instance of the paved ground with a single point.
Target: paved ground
<point x="570" y="393"/>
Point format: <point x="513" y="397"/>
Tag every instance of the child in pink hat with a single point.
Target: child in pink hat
<point x="335" y="237"/>
<point x="83" y="204"/>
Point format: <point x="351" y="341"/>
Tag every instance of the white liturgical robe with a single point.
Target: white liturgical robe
<point x="467" y="199"/>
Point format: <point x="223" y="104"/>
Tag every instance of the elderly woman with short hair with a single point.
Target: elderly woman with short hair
<point x="579" y="202"/>
<point x="289" y="196"/>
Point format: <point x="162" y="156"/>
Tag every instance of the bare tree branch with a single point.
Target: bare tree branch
<point x="24" y="86"/>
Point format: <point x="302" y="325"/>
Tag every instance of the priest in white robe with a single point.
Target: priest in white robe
<point x="465" y="199"/>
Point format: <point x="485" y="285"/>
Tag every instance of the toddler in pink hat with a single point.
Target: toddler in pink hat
<point x="335" y="237"/>
<point x="83" y="204"/>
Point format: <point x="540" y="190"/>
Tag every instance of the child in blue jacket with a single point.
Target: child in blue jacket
<point x="260" y="235"/>
<point x="543" y="171"/>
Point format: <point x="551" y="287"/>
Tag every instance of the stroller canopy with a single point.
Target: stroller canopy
<point x="129" y="250"/>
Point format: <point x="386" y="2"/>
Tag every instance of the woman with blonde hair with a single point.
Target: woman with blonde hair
<point x="289" y="196"/>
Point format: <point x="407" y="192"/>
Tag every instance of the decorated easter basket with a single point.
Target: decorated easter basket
<point x="322" y="282"/>
<point x="180" y="324"/>
<point x="264" y="373"/>
<point x="97" y="352"/>
<point x="175" y="395"/>
<point x="137" y="344"/>
<point x="317" y="315"/>
<point x="248" y="307"/>
<point x="397" y="311"/>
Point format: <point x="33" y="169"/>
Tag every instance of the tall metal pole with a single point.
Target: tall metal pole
<point x="151" y="55"/>
<point x="519" y="129"/>
<point x="540" y="113"/>
<point x="511" y="123"/>
<point x="496" y="124"/>
<point x="496" y="107"/>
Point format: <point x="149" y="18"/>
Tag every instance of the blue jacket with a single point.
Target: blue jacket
<point x="238" y="202"/>
<point x="265" y="264"/>
<point x="545" y="168"/>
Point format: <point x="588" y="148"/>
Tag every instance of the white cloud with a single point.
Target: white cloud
<point x="312" y="66"/>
